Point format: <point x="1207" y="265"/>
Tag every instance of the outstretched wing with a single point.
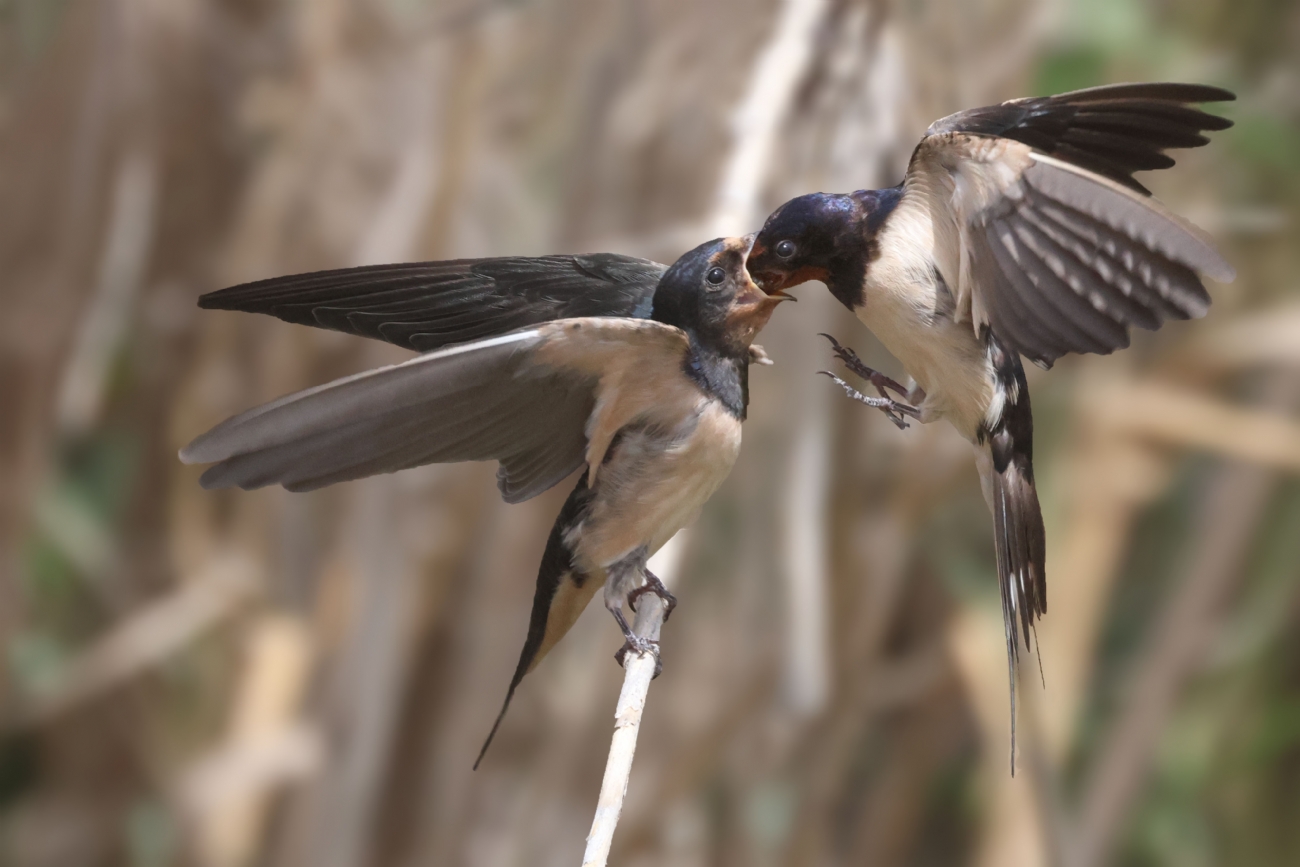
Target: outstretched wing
<point x="524" y="399"/>
<point x="1038" y="228"/>
<point x="428" y="305"/>
<point x="1113" y="130"/>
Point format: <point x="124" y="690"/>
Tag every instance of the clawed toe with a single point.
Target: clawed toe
<point x="653" y="585"/>
<point x="855" y="364"/>
<point x="638" y="645"/>
<point x="892" y="409"/>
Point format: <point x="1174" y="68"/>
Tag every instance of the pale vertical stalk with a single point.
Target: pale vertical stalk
<point x="229" y="796"/>
<point x="107" y="316"/>
<point x="667" y="562"/>
<point x="778" y="69"/>
<point x="805" y="558"/>
<point x="640" y="670"/>
<point x="373" y="668"/>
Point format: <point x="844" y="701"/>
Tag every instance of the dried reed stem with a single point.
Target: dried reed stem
<point x="639" y="670"/>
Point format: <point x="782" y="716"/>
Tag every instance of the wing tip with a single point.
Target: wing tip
<point x="1216" y="94"/>
<point x="1221" y="271"/>
<point x="212" y="480"/>
<point x="208" y="447"/>
<point x="197" y="452"/>
<point x="228" y="298"/>
<point x="1173" y="91"/>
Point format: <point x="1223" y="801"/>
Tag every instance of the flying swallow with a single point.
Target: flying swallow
<point x="636" y="374"/>
<point x="1018" y="230"/>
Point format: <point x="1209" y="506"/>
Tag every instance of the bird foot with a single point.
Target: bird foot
<point x="638" y="645"/>
<point x="892" y="409"/>
<point x="653" y="585"/>
<point x="635" y="643"/>
<point x="855" y="364"/>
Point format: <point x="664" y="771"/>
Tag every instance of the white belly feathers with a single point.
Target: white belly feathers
<point x="909" y="309"/>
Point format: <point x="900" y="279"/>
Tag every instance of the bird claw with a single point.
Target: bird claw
<point x="653" y="585"/>
<point x="640" y="646"/>
<point x="855" y="364"/>
<point x="892" y="409"/>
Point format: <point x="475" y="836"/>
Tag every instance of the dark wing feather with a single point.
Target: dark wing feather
<point x="1085" y="261"/>
<point x="1114" y="130"/>
<point x="428" y="305"/>
<point x="524" y="399"/>
<point x="478" y="402"/>
<point x="1056" y="257"/>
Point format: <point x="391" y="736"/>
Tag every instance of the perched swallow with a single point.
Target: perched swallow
<point x="637" y="373"/>
<point x="1018" y="230"/>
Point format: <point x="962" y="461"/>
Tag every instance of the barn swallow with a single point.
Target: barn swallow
<point x="635" y="373"/>
<point x="1018" y="230"/>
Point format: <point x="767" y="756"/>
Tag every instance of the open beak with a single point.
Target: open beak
<point x="771" y="282"/>
<point x="753" y="307"/>
<point x="780" y="295"/>
<point x="773" y="285"/>
<point x="753" y="295"/>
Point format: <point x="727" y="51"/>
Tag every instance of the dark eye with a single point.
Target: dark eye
<point x="715" y="276"/>
<point x="785" y="249"/>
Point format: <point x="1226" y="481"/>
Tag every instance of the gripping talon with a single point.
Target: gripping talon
<point x="653" y="585"/>
<point x="855" y="364"/>
<point x="890" y="407"/>
<point x="639" y="645"/>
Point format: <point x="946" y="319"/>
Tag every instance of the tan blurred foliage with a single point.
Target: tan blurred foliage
<point x="230" y="678"/>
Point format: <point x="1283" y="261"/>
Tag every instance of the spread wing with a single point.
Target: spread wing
<point x="1039" y="229"/>
<point x="525" y="399"/>
<point x="429" y="305"/>
<point x="1113" y="130"/>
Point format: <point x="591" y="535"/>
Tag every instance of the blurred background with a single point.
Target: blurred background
<point x="230" y="679"/>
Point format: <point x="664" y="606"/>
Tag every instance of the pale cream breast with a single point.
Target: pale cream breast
<point x="661" y="471"/>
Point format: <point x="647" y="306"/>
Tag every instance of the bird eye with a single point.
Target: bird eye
<point x="716" y="276"/>
<point x="785" y="249"/>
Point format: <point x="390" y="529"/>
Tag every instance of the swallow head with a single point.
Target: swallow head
<point x="803" y="239"/>
<point x="709" y="294"/>
<point x="822" y="236"/>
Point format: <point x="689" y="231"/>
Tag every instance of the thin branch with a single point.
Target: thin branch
<point x="778" y="69"/>
<point x="639" y="671"/>
<point x="756" y="124"/>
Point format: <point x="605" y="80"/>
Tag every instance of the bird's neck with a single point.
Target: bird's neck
<point x="856" y="245"/>
<point x="722" y="376"/>
<point x="846" y="278"/>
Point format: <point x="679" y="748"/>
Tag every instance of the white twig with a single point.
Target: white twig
<point x="756" y="125"/>
<point x="639" y="671"/>
<point x="778" y="69"/>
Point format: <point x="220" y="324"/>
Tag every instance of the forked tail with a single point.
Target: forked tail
<point x="1019" y="540"/>
<point x="563" y="591"/>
